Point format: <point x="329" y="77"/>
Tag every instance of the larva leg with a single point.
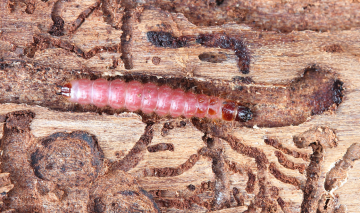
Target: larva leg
<point x="214" y="109"/>
<point x="203" y="106"/>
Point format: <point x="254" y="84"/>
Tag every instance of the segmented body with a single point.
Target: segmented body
<point x="151" y="98"/>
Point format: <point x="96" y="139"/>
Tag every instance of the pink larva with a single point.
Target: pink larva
<point x="150" y="98"/>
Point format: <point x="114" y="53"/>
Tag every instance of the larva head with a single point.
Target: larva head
<point x="232" y="111"/>
<point x="243" y="114"/>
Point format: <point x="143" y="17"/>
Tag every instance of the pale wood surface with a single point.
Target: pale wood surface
<point x="276" y="58"/>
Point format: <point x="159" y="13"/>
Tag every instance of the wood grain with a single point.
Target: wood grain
<point x="276" y="59"/>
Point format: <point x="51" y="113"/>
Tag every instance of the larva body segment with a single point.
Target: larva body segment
<point x="150" y="94"/>
<point x="164" y="100"/>
<point x="117" y="94"/>
<point x="190" y="106"/>
<point x="133" y="98"/>
<point x="150" y="98"/>
<point x="177" y="103"/>
<point x="100" y="89"/>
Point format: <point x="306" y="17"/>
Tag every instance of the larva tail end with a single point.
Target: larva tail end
<point x="243" y="114"/>
<point x="66" y="90"/>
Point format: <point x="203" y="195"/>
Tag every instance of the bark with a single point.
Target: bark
<point x="295" y="65"/>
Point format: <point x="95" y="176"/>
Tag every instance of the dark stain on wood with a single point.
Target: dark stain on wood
<point x="166" y="39"/>
<point x="213" y="57"/>
<point x="228" y="42"/>
<point x="57" y="29"/>
<point x="161" y="147"/>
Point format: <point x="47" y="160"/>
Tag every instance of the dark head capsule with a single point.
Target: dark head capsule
<point x="243" y="114"/>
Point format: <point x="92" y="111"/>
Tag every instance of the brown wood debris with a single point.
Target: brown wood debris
<point x="295" y="65"/>
<point x="64" y="172"/>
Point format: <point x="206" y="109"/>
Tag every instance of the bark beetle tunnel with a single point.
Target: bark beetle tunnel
<point x="166" y="39"/>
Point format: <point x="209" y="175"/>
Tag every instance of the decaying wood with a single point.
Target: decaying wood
<point x="298" y="154"/>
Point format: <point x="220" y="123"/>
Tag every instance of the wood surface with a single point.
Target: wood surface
<point x="204" y="170"/>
